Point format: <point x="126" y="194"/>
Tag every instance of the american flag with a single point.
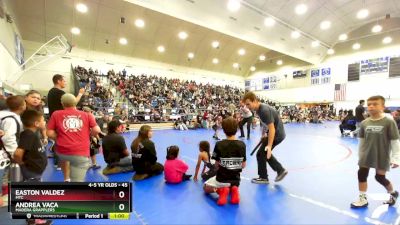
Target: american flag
<point x="340" y="92"/>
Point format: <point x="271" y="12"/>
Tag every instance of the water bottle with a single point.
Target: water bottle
<point x="15" y="173"/>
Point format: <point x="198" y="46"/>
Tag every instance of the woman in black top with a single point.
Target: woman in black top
<point x="144" y="155"/>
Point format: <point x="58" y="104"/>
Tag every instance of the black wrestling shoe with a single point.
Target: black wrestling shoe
<point x="281" y="175"/>
<point x="392" y="199"/>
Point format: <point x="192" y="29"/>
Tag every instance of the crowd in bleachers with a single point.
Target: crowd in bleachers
<point x="314" y="114"/>
<point x="157" y="95"/>
<point x="97" y="95"/>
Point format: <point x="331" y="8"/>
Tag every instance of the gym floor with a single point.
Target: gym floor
<point x="321" y="184"/>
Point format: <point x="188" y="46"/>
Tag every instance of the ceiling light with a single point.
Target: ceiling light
<point x="295" y="34"/>
<point x="242" y="51"/>
<point x="324" y="25"/>
<point x="139" y="23"/>
<point x="215" y="61"/>
<point x="279" y="62"/>
<point x="123" y="41"/>
<point x="356" y="46"/>
<point x="235" y="65"/>
<point x="330" y="51"/>
<point x="81" y="7"/>
<point x="269" y="22"/>
<point x="190" y="55"/>
<point x="253" y="68"/>
<point x="376" y="29"/>
<point x="261" y="57"/>
<point x="160" y="48"/>
<point x="387" y="40"/>
<point x="75" y="30"/>
<point x="342" y="37"/>
<point x="362" y="14"/>
<point x="215" y="44"/>
<point x="233" y="5"/>
<point x="315" y="44"/>
<point x="301" y="9"/>
<point x="182" y="35"/>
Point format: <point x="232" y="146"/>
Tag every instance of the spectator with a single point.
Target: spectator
<point x="175" y="169"/>
<point x="115" y="152"/>
<point x="55" y="94"/>
<point x="179" y="125"/>
<point x="348" y="123"/>
<point x="71" y="129"/>
<point x="94" y="144"/>
<point x="54" y="103"/>
<point x="10" y="123"/>
<point x="33" y="101"/>
<point x="360" y="115"/>
<point x="144" y="155"/>
<point x="397" y="118"/>
<point x="30" y="154"/>
<point x="247" y="117"/>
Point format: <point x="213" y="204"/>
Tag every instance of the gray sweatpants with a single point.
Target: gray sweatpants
<point x="78" y="166"/>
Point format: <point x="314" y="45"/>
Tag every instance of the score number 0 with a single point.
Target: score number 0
<point x="121" y="206"/>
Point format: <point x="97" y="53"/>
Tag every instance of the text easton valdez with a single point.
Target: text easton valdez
<point x="36" y="206"/>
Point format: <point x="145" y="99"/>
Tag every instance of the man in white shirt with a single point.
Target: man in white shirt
<point x="247" y="117"/>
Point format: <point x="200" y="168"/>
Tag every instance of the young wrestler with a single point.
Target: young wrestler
<point x="205" y="157"/>
<point x="230" y="156"/>
<point x="174" y="168"/>
<point x="379" y="148"/>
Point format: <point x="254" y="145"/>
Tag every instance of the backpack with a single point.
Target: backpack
<point x="5" y="157"/>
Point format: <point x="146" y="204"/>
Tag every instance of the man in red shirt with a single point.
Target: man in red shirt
<point x="71" y="129"/>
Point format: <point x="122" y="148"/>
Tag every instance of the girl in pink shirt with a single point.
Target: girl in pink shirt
<point x="174" y="168"/>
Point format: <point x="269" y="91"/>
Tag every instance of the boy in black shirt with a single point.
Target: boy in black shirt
<point x="31" y="154"/>
<point x="230" y="157"/>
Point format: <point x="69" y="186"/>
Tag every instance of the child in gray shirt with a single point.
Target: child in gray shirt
<point x="379" y="148"/>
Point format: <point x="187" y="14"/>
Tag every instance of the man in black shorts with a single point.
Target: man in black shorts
<point x="276" y="134"/>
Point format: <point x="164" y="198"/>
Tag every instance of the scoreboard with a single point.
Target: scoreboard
<point x="299" y="74"/>
<point x="64" y="200"/>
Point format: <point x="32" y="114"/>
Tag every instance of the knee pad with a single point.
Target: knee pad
<point x="382" y="180"/>
<point x="363" y="174"/>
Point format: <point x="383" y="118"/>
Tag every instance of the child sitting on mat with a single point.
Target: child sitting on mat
<point x="230" y="157"/>
<point x="174" y="168"/>
<point x="205" y="157"/>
